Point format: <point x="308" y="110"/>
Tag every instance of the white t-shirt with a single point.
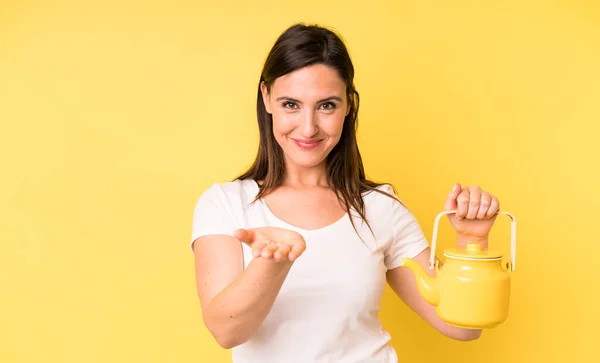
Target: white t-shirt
<point x="327" y="309"/>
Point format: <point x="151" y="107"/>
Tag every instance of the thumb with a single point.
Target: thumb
<point x="245" y="235"/>
<point x="451" y="202"/>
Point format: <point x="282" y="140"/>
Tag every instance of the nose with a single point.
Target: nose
<point x="309" y="126"/>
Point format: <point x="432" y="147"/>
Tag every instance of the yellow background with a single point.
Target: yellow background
<point x="116" y="115"/>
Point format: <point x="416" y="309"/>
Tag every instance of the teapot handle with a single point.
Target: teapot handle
<point x="513" y="238"/>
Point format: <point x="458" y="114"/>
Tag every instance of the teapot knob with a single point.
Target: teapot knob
<point x="473" y="248"/>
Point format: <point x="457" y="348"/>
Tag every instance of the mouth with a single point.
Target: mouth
<point x="308" y="144"/>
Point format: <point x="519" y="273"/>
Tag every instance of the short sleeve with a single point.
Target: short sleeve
<point x="211" y="215"/>
<point x="408" y="239"/>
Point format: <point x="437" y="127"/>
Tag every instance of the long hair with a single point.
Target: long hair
<point x="300" y="46"/>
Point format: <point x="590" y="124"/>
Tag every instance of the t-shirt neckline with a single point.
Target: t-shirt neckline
<point x="287" y="225"/>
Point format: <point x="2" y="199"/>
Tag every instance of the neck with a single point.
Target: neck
<point x="302" y="177"/>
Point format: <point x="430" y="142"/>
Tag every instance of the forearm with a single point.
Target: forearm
<point x="457" y="333"/>
<point x="238" y="310"/>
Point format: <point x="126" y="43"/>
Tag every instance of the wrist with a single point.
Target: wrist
<point x="274" y="266"/>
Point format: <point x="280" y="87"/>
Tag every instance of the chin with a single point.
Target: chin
<point x="306" y="158"/>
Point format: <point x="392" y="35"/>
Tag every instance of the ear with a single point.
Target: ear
<point x="265" y="96"/>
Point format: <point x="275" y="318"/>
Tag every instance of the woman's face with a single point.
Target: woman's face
<point x="308" y="108"/>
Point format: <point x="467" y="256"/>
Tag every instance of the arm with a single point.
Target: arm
<point x="404" y="285"/>
<point x="476" y="212"/>
<point x="234" y="301"/>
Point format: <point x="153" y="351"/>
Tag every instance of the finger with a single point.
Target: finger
<point x="297" y="250"/>
<point x="494" y="208"/>
<point x="258" y="246"/>
<point x="474" y="202"/>
<point x="484" y="205"/>
<point x="268" y="251"/>
<point x="451" y="199"/>
<point x="282" y="252"/>
<point x="462" y="202"/>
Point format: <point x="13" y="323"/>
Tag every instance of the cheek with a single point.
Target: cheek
<point x="333" y="125"/>
<point x="283" y="123"/>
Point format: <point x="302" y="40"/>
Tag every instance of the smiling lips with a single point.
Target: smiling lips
<point x="307" y="144"/>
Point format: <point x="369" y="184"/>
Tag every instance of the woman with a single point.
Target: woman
<point x="292" y="257"/>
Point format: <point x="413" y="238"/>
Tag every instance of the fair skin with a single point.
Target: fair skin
<point x="308" y="108"/>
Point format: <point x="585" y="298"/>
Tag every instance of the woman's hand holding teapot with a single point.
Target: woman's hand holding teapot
<point x="476" y="211"/>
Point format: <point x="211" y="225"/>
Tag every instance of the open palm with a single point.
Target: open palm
<point x="274" y="243"/>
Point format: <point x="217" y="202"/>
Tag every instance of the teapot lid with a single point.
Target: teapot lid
<point x="472" y="251"/>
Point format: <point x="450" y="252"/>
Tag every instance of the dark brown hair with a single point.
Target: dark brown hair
<point x="300" y="46"/>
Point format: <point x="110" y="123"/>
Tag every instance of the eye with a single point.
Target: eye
<point x="290" y="105"/>
<point x="328" y="106"/>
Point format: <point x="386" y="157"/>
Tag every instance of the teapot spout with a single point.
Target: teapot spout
<point x="427" y="285"/>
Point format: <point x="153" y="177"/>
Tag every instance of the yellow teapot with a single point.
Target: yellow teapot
<point x="471" y="289"/>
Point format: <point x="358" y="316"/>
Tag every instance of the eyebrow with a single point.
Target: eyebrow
<point x="336" y="98"/>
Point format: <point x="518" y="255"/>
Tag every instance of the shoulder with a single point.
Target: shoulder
<point x="384" y="205"/>
<point x="226" y="192"/>
<point x="396" y="224"/>
<point x="222" y="207"/>
<point x="382" y="197"/>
